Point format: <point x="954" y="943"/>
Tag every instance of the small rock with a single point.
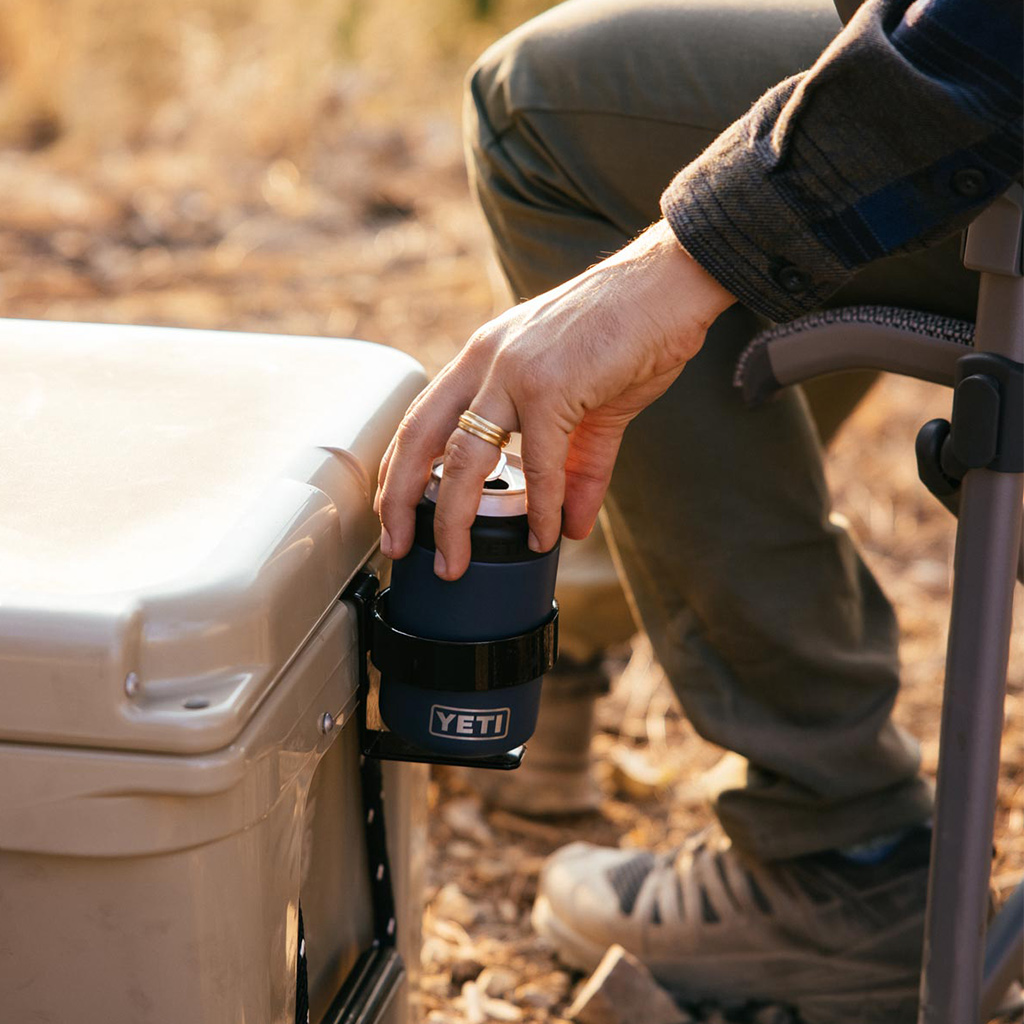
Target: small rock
<point x="464" y="818"/>
<point x="449" y="931"/>
<point x="461" y="849"/>
<point x="434" y="984"/>
<point x="508" y="911"/>
<point x="622" y="991"/>
<point x="473" y="1004"/>
<point x="535" y="996"/>
<point x="451" y="902"/>
<point x="498" y="1009"/>
<point x="440" y="1017"/>
<point x="558" y="982"/>
<point x="636" y="776"/>
<point x="464" y="970"/>
<point x="434" y="951"/>
<point x="490" y="869"/>
<point x="497" y="982"/>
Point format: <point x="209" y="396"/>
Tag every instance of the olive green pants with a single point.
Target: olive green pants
<point x="775" y="635"/>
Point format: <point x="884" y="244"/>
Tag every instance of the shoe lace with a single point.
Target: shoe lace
<point x="703" y="877"/>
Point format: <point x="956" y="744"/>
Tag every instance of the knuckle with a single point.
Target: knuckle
<point x="410" y="428"/>
<point x="544" y="520"/>
<point x="389" y="504"/>
<point x="542" y="505"/>
<point x="509" y="367"/>
<point x="480" y="338"/>
<point x="536" y="466"/>
<point x="482" y="344"/>
<point x="542" y="509"/>
<point x="448" y="523"/>
<point x="532" y="383"/>
<point x="457" y="456"/>
<point x="535" y="381"/>
<point x="544" y="481"/>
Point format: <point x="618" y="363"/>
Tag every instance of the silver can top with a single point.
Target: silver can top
<point x="504" y="491"/>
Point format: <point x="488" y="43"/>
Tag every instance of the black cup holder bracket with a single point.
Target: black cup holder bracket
<point x="529" y="656"/>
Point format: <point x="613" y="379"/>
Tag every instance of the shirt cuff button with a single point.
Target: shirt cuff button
<point x="970" y="182"/>
<point x="792" y="279"/>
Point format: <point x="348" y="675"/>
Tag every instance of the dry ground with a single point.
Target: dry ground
<point x="365" y="229"/>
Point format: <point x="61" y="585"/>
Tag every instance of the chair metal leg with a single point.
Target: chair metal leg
<point x="972" y="723"/>
<point x="988" y="555"/>
<point x="988" y="538"/>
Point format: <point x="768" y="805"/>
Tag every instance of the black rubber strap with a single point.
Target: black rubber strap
<point x="462" y="666"/>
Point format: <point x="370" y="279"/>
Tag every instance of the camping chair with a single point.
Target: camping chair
<point x="974" y="464"/>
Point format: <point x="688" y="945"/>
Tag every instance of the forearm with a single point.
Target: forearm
<point x="905" y="128"/>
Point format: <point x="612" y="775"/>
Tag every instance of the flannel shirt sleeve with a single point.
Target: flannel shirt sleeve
<point x="903" y="130"/>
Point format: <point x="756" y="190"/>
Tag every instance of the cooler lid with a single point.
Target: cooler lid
<point x="179" y="509"/>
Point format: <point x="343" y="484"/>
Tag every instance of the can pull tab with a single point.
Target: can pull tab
<point x="499" y="467"/>
<point x="495" y="481"/>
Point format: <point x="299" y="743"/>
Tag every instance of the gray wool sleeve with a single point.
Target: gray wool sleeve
<point x="903" y="130"/>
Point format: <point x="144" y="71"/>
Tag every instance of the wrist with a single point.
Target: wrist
<point x="669" y="286"/>
<point x="697" y="294"/>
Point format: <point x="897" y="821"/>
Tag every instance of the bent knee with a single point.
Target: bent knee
<point x="539" y="65"/>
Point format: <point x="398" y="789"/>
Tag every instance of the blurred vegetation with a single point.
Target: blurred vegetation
<point x="226" y="75"/>
<point x="273" y="165"/>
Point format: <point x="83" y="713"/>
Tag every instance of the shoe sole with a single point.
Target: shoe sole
<point x="714" y="978"/>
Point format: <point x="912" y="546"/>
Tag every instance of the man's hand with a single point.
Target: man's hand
<point x="569" y="370"/>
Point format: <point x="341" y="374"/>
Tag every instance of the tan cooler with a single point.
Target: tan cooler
<point x="180" y="514"/>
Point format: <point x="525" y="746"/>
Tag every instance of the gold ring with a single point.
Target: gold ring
<point x="487" y="431"/>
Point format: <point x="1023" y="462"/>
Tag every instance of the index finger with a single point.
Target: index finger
<point x="405" y="468"/>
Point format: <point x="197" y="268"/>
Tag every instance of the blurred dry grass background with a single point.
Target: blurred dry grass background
<point x="295" y="166"/>
<point x="253" y="164"/>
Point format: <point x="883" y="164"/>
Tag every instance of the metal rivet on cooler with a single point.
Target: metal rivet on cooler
<point x="131" y="684"/>
<point x="380" y="872"/>
<point x="369" y="816"/>
<point x="327" y="723"/>
<point x="391" y="926"/>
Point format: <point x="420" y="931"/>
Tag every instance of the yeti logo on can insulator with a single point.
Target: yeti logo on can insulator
<point x="468" y="723"/>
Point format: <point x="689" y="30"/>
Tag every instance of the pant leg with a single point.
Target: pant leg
<point x="775" y="635"/>
<point x="546" y="229"/>
<point x="593" y="612"/>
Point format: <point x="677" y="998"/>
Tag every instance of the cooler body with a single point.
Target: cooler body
<point x="179" y="753"/>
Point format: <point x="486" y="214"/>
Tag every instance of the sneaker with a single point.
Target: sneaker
<point x="838" y="942"/>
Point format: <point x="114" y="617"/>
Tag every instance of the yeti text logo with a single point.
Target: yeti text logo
<point x="467" y="724"/>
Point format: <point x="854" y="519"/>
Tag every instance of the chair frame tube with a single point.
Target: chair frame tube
<point x="964" y="975"/>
